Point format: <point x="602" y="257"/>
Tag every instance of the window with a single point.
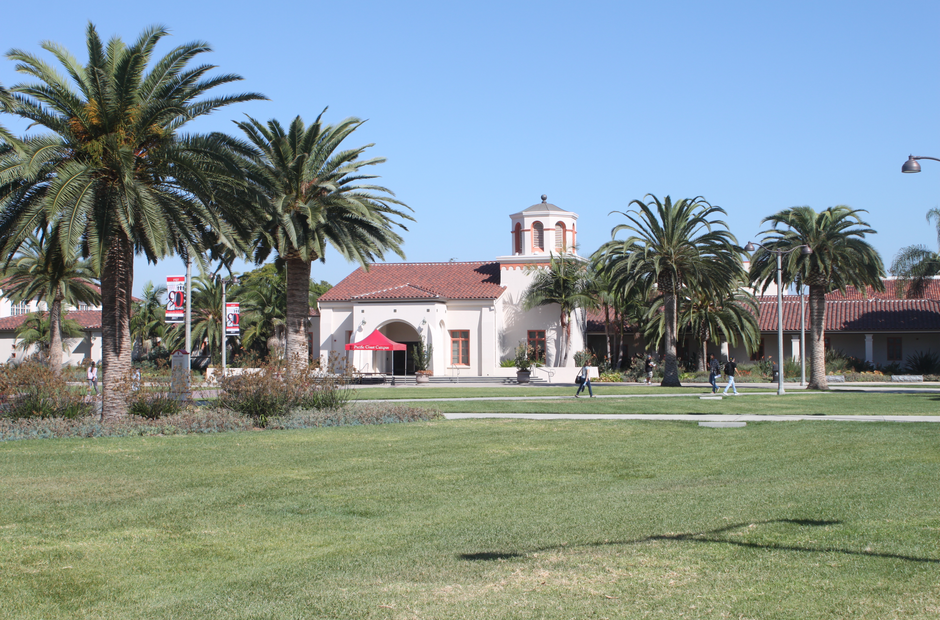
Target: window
<point x="759" y="353"/>
<point x="536" y="342"/>
<point x="517" y="239"/>
<point x="460" y="348"/>
<point x="894" y="349"/>
<point x="20" y="308"/>
<point x="84" y="307"/>
<point x="561" y="244"/>
<point x="538" y="237"/>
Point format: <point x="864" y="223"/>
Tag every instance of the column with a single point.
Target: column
<point x="870" y="348"/>
<point x="795" y="352"/>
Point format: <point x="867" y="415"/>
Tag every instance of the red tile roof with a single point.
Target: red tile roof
<point x="855" y="314"/>
<point x="87" y="319"/>
<point x="424" y="281"/>
<point x="931" y="291"/>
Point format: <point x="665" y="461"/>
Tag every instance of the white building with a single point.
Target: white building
<point x="12" y="315"/>
<point x="469" y="312"/>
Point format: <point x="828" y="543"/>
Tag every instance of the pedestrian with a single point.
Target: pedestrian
<point x="730" y="369"/>
<point x="93" y="377"/>
<point x="714" y="369"/>
<point x="650" y="365"/>
<point x="583" y="379"/>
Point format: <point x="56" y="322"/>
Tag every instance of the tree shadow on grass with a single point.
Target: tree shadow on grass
<point x="710" y="537"/>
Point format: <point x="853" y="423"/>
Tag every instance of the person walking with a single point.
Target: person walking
<point x="650" y="365"/>
<point x="93" y="377"/>
<point x="583" y="379"/>
<point x="714" y="369"/>
<point x="730" y="369"/>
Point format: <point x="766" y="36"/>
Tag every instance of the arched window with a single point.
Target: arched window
<point x="561" y="244"/>
<point x="538" y="237"/>
<point x="517" y="239"/>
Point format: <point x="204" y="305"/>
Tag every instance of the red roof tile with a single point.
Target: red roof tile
<point x="419" y="281"/>
<point x="856" y="314"/>
<point x="87" y="319"/>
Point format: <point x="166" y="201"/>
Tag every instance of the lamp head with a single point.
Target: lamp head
<point x="910" y="165"/>
<point x="805" y="250"/>
<point x="749" y="247"/>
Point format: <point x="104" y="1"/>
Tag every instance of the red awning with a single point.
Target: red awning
<point x="376" y="341"/>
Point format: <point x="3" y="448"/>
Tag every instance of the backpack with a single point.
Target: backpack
<point x="729" y="368"/>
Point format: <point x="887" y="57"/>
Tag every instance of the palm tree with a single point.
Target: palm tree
<point x="36" y="330"/>
<point x="721" y="315"/>
<point x="262" y="299"/>
<point x="840" y="258"/>
<point x="208" y="316"/>
<point x="914" y="265"/>
<point x="41" y="272"/>
<point x="315" y="196"/>
<point x="114" y="176"/>
<point x="147" y="320"/>
<point x="564" y="283"/>
<point x="672" y="245"/>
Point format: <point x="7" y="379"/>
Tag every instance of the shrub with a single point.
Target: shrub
<point x="273" y="391"/>
<point x="791" y="368"/>
<point x="923" y="363"/>
<point x="193" y="420"/>
<point x="584" y="357"/>
<point x="611" y="377"/>
<point x="32" y="390"/>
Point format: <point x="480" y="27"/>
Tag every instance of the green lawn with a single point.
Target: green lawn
<point x="659" y="400"/>
<point x="478" y="519"/>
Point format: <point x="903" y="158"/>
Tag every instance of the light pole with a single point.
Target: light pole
<point x="804" y="250"/>
<point x="225" y="281"/>
<point x="799" y="284"/>
<point x="911" y="164"/>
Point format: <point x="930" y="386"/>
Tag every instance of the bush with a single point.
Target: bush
<point x="32" y="390"/>
<point x="610" y="377"/>
<point x="584" y="357"/>
<point x="200" y="420"/>
<point x="923" y="363"/>
<point x="273" y="391"/>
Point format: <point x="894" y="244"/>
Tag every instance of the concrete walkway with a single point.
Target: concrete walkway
<point x="693" y="418"/>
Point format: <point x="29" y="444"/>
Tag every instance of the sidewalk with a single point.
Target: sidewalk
<point x="693" y="417"/>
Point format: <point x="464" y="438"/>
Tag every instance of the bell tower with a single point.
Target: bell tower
<point x="541" y="229"/>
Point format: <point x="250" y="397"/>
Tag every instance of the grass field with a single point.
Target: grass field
<point x="668" y="401"/>
<point x="477" y="519"/>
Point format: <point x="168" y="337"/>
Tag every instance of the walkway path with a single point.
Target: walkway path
<point x="694" y="418"/>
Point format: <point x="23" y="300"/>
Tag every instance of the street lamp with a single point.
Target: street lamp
<point x="804" y="250"/>
<point x="225" y="281"/>
<point x="911" y="164"/>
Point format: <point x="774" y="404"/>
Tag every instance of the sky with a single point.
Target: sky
<point x="479" y="108"/>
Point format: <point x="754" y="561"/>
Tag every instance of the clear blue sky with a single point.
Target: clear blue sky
<point x="482" y="107"/>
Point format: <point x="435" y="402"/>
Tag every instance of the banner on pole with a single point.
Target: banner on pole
<point x="232" y="317"/>
<point x="176" y="299"/>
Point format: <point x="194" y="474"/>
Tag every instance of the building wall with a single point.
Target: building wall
<point x="78" y="348"/>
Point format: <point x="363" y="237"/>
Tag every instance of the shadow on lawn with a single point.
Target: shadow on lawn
<point x="711" y="536"/>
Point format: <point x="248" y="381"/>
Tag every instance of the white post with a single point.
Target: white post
<point x="224" y="326"/>
<point x="780" y="391"/>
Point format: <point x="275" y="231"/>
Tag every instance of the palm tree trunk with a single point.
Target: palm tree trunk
<point x="566" y="329"/>
<point x="117" y="280"/>
<point x="610" y="353"/>
<point x="817" y="337"/>
<point x="671" y="365"/>
<point x="55" y="334"/>
<point x="298" y="311"/>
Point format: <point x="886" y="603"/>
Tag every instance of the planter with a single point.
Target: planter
<point x="422" y="377"/>
<point x="522" y="376"/>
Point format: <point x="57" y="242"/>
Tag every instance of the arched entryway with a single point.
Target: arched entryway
<point x="401" y="362"/>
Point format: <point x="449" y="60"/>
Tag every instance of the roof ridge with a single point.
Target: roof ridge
<point x="395" y="288"/>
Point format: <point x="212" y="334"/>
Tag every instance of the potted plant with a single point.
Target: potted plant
<point x="422" y="358"/>
<point x="524" y="362"/>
